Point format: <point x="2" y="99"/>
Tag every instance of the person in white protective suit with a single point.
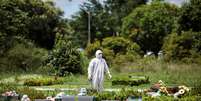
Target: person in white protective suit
<point x="96" y="70"/>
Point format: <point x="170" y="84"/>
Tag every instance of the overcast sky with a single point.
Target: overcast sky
<point x="72" y="7"/>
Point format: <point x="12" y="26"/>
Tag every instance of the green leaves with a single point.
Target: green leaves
<point x="149" y="24"/>
<point x="190" y="16"/>
<point x="183" y="46"/>
<point x="65" y="57"/>
<point x="32" y="19"/>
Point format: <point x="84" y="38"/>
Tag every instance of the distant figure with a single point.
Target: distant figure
<point x="96" y="70"/>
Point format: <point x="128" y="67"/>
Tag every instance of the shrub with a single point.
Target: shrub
<point x="32" y="93"/>
<point x="108" y="55"/>
<point x="91" y="48"/>
<point x="185" y="46"/>
<point x="116" y="44"/>
<point x="120" y="62"/>
<point x="23" y="55"/>
<point x="42" y="81"/>
<point x="122" y="95"/>
<point x="114" y="47"/>
<point x="130" y="80"/>
<point x="65" y="57"/>
<point x="7" y="87"/>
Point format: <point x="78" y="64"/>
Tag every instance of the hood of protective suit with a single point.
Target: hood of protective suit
<point x="99" y="54"/>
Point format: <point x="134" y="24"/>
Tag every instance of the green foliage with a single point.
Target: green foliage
<point x="116" y="44"/>
<point x="168" y="98"/>
<point x="116" y="50"/>
<point x="92" y="48"/>
<point x="122" y="95"/>
<point x="105" y="18"/>
<point x="7" y="87"/>
<point x="42" y="81"/>
<point x="23" y="55"/>
<point x="122" y="61"/>
<point x="130" y="80"/>
<point x="33" y="19"/>
<point x="190" y="18"/>
<point x="185" y="46"/>
<point x="108" y="55"/>
<point x="65" y="57"/>
<point x="147" y="25"/>
<point x="32" y="93"/>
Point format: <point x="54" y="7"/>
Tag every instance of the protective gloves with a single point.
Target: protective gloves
<point x="110" y="76"/>
<point x="89" y="78"/>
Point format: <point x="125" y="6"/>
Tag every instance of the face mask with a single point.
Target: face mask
<point x="100" y="56"/>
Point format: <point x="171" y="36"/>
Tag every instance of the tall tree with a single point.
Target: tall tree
<point x="118" y="9"/>
<point x="105" y="18"/>
<point x="149" y="24"/>
<point x="33" y="19"/>
<point x="190" y="17"/>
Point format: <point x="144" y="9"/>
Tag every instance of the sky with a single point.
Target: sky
<point x="71" y="7"/>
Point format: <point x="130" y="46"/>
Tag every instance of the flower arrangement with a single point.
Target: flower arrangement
<point x="10" y="93"/>
<point x="184" y="88"/>
<point x="163" y="90"/>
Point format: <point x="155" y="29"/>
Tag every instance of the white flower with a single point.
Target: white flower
<point x="181" y="91"/>
<point x="184" y="88"/>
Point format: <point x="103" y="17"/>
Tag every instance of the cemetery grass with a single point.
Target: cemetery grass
<point x="172" y="74"/>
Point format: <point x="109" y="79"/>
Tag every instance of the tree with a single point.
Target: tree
<point x="118" y="9"/>
<point x="32" y="19"/>
<point x="105" y="18"/>
<point x="190" y="17"/>
<point x="147" y="25"/>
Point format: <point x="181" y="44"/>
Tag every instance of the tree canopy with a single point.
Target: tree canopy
<point x="32" y="19"/>
<point x="149" y="24"/>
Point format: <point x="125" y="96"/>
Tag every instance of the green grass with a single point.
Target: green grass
<point x="172" y="74"/>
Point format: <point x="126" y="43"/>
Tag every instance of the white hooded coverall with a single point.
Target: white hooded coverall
<point x="97" y="68"/>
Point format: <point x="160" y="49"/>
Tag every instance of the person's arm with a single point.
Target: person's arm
<point x="107" y="69"/>
<point x="90" y="69"/>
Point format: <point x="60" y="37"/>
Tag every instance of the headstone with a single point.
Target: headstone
<point x="134" y="98"/>
<point x="67" y="98"/>
<point x="9" y="98"/>
<point x="41" y="100"/>
<point x="85" y="98"/>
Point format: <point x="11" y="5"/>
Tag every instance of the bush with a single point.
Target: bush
<point x="108" y="55"/>
<point x="65" y="57"/>
<point x="116" y="44"/>
<point x="185" y="46"/>
<point x="92" y="48"/>
<point x="32" y="93"/>
<point x="122" y="95"/>
<point x="113" y="47"/>
<point x="7" y="87"/>
<point x="42" y="81"/>
<point x="23" y="55"/>
<point x="120" y="62"/>
<point x="130" y="80"/>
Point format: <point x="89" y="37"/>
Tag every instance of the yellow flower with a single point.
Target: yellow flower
<point x="164" y="90"/>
